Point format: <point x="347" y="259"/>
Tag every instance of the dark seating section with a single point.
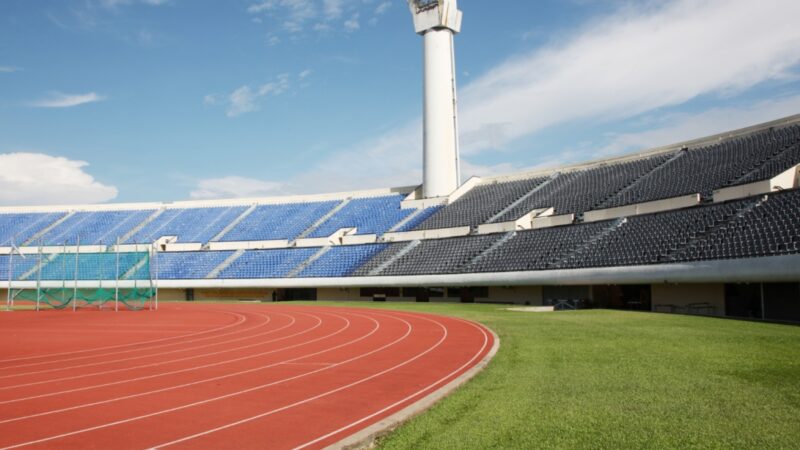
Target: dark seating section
<point x="742" y="160"/>
<point x="584" y="190"/>
<point x="652" y="238"/>
<point x="380" y="258"/>
<point x="705" y="169"/>
<point x="536" y="249"/>
<point x="771" y="228"/>
<point x="440" y="255"/>
<point x="480" y="204"/>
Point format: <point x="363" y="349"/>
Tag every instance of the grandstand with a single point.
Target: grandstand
<point x="710" y="226"/>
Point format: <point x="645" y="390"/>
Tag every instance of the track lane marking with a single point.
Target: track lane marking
<point x="229" y="395"/>
<point x="241" y="319"/>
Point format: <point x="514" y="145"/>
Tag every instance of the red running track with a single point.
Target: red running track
<point x="221" y="376"/>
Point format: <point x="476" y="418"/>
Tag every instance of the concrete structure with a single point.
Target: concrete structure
<point x="437" y="21"/>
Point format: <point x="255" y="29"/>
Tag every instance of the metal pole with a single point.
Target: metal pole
<point x="10" y="275"/>
<point x="763" y="313"/>
<point x="39" y="278"/>
<point x="75" y="290"/>
<point x="116" y="279"/>
<point x="64" y="274"/>
<point x="155" y="253"/>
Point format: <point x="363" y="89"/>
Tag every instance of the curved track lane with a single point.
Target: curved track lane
<point x="221" y="376"/>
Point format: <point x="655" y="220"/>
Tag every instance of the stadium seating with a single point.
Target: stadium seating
<point x="19" y="228"/>
<point x="94" y="227"/>
<point x="188" y="224"/>
<point x="341" y="261"/>
<point x="188" y="265"/>
<point x="255" y="264"/>
<point x="271" y="222"/>
<point x="761" y="225"/>
<point x="369" y="215"/>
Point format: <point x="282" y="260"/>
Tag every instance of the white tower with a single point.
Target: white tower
<point x="437" y="21"/>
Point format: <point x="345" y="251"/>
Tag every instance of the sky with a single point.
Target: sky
<point x="164" y="100"/>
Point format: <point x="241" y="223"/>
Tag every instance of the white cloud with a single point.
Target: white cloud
<point x="638" y="60"/>
<point x="352" y="23"/>
<point x="247" y="99"/>
<point x="633" y="62"/>
<point x="322" y="16"/>
<point x="382" y="8"/>
<point x="9" y="69"/>
<point x="40" y="179"/>
<point x="117" y="3"/>
<point x="234" y="187"/>
<point x="60" y="100"/>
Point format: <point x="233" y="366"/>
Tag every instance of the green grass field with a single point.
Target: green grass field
<point x="611" y="379"/>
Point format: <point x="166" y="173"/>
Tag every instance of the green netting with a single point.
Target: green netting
<point x="73" y="270"/>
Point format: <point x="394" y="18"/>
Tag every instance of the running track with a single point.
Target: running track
<point x="221" y="376"/>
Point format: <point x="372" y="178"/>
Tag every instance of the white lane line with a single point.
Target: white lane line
<point x="431" y="386"/>
<point x="101" y="363"/>
<point x="318" y="396"/>
<point x="241" y="319"/>
<point x="229" y="395"/>
<point x="169" y="388"/>
<point x="84" y="388"/>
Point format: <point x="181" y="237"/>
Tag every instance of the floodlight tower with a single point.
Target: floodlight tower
<point x="438" y="21"/>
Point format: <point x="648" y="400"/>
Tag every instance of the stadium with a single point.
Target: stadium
<point x="618" y="269"/>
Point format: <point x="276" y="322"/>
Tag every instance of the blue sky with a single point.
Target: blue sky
<point x="160" y="100"/>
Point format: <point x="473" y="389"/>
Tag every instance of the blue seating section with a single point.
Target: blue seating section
<point x="21" y="265"/>
<point x="342" y="261"/>
<point x="370" y="215"/>
<point x="188" y="265"/>
<point x="271" y="222"/>
<point x="18" y="228"/>
<point x="91" y="266"/>
<point x="267" y="263"/>
<point x="189" y="224"/>
<point x="94" y="227"/>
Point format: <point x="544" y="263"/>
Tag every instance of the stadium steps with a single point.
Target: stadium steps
<point x="303" y="265"/>
<point x="495" y="245"/>
<point x="46" y="230"/>
<point x="139" y="227"/>
<point x="46" y="259"/>
<point x="582" y="248"/>
<point x="406" y="220"/>
<point x="224" y="264"/>
<point x="693" y="238"/>
<point x="524" y="198"/>
<point x="755" y="168"/>
<point x="635" y="183"/>
<point x="323" y="219"/>
<point x="233" y="224"/>
<point x="410" y="246"/>
<point x="135" y="268"/>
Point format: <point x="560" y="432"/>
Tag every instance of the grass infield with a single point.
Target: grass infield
<point x="612" y="379"/>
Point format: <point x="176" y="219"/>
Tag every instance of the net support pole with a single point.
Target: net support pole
<point x="9" y="296"/>
<point x="39" y="278"/>
<point x="64" y="274"/>
<point x="116" y="280"/>
<point x="75" y="275"/>
<point x="155" y="253"/>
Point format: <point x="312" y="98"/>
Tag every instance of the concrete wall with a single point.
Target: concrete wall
<point x="520" y="295"/>
<point x="681" y="295"/>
